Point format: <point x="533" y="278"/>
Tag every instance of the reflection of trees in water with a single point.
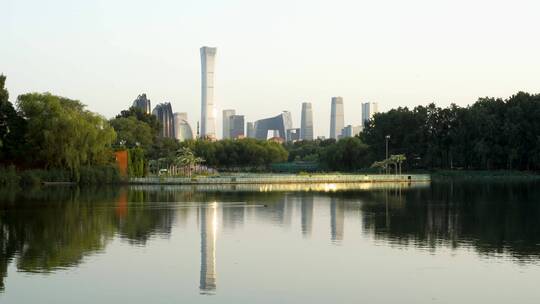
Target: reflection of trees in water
<point x="492" y="218"/>
<point x="70" y="224"/>
<point x="57" y="236"/>
<point x="73" y="223"/>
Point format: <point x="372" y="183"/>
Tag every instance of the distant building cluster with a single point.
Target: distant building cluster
<point x="172" y="125"/>
<point x="277" y="128"/>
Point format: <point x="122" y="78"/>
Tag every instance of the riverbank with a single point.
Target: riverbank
<point x="484" y="175"/>
<point x="281" y="179"/>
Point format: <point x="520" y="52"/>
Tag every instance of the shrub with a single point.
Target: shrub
<point x="99" y="175"/>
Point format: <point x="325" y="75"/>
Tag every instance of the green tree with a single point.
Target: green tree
<point x="12" y="128"/>
<point x="240" y="153"/>
<point x="136" y="162"/>
<point x="492" y="133"/>
<point x="132" y="132"/>
<point x="347" y="154"/>
<point x="140" y="115"/>
<point x="62" y="134"/>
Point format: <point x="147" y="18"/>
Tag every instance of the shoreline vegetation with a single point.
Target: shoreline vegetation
<point x="51" y="140"/>
<point x="108" y="175"/>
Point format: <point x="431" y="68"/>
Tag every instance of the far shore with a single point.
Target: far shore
<point x="281" y="179"/>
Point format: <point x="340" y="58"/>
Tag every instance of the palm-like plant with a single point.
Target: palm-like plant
<point x="393" y="160"/>
<point x="397" y="160"/>
<point x="187" y="159"/>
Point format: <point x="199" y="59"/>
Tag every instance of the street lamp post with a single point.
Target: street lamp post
<point x="387" y="140"/>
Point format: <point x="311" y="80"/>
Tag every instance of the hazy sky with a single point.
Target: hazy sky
<point x="272" y="55"/>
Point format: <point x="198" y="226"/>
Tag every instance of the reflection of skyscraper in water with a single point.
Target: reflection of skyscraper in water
<point x="306" y="211"/>
<point x="208" y="219"/>
<point x="286" y="212"/>
<point x="337" y="216"/>
<point x="233" y="216"/>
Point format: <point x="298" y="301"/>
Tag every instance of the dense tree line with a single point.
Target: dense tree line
<point x="347" y="154"/>
<point x="239" y="153"/>
<point x="47" y="131"/>
<point x="490" y="134"/>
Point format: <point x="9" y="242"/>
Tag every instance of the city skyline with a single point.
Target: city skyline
<point x="106" y="56"/>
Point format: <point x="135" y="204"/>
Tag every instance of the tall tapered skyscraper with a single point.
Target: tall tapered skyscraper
<point x="208" y="111"/>
<point x="306" y="122"/>
<point x="336" y="117"/>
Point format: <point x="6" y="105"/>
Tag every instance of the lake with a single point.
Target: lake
<point x="452" y="242"/>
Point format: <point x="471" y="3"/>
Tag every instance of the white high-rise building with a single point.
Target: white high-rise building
<point x="227" y="123"/>
<point x="208" y="110"/>
<point x="368" y="110"/>
<point x="182" y="129"/>
<point x="306" y="122"/>
<point x="336" y="117"/>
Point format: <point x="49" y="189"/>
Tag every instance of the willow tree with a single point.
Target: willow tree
<point x="61" y="133"/>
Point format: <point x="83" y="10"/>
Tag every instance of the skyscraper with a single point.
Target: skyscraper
<point x="280" y="123"/>
<point x="350" y="131"/>
<point x="368" y="110"/>
<point x="250" y="129"/>
<point x="164" y="114"/>
<point x="306" y="123"/>
<point x="226" y="123"/>
<point x="336" y="117"/>
<point x="236" y="126"/>
<point x="143" y="103"/>
<point x="182" y="129"/>
<point x="208" y="111"/>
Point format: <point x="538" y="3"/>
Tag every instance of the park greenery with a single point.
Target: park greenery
<point x="247" y="153"/>
<point x="53" y="138"/>
<point x="490" y="134"/>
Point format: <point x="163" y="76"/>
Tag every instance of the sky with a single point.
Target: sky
<point x="271" y="55"/>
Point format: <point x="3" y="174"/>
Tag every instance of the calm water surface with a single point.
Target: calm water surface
<point x="438" y="243"/>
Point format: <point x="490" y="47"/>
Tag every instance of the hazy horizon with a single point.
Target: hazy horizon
<point x="271" y="56"/>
